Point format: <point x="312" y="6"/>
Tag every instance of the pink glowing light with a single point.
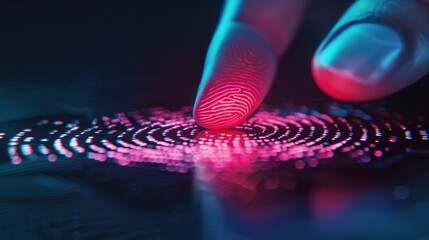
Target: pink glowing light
<point x="296" y="136"/>
<point x="235" y="81"/>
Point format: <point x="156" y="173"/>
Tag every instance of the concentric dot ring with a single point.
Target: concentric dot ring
<point x="297" y="135"/>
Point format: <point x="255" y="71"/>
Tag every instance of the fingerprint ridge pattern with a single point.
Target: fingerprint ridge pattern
<point x="296" y="135"/>
<point x="237" y="84"/>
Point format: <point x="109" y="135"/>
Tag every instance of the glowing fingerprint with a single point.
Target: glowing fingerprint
<point x="235" y="81"/>
<point x="294" y="136"/>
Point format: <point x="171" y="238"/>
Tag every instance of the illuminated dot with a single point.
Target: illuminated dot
<point x="16" y="160"/>
<point x="299" y="164"/>
<point x="299" y="135"/>
<point x="313" y="162"/>
<point x="52" y="158"/>
<point x="378" y="153"/>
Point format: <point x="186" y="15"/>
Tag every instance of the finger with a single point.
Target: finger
<point x="241" y="61"/>
<point x="377" y="48"/>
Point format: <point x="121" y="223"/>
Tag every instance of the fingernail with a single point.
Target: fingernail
<point x="364" y="52"/>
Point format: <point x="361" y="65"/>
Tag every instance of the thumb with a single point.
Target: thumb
<point x="378" y="47"/>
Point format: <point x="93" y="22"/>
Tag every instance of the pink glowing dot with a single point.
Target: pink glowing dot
<point x="299" y="164"/>
<point x="58" y="123"/>
<point x="16" y="160"/>
<point x="313" y="162"/>
<point x="173" y="139"/>
<point x="52" y="158"/>
<point x="378" y="153"/>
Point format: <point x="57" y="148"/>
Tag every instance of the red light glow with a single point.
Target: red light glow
<point x="297" y="136"/>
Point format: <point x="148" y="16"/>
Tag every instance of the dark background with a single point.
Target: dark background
<point x="94" y="57"/>
<point x="101" y="56"/>
<point x="104" y="56"/>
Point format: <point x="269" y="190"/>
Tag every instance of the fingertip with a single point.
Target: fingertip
<point x="373" y="51"/>
<point x="238" y="72"/>
<point x="343" y="87"/>
<point x="355" y="64"/>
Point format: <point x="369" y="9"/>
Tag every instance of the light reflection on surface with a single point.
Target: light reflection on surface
<point x="294" y="135"/>
<point x="293" y="172"/>
<point x="282" y="203"/>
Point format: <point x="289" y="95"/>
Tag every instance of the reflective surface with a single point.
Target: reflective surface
<point x="324" y="171"/>
<point x="296" y="135"/>
<point x="294" y="171"/>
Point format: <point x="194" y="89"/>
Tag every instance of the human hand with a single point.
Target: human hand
<point x="378" y="47"/>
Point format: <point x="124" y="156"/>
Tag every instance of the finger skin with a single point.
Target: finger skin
<point x="240" y="75"/>
<point x="241" y="61"/>
<point x="411" y="65"/>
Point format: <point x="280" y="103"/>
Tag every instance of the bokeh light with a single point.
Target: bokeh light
<point x="301" y="136"/>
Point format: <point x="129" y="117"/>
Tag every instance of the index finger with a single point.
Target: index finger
<point x="242" y="57"/>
